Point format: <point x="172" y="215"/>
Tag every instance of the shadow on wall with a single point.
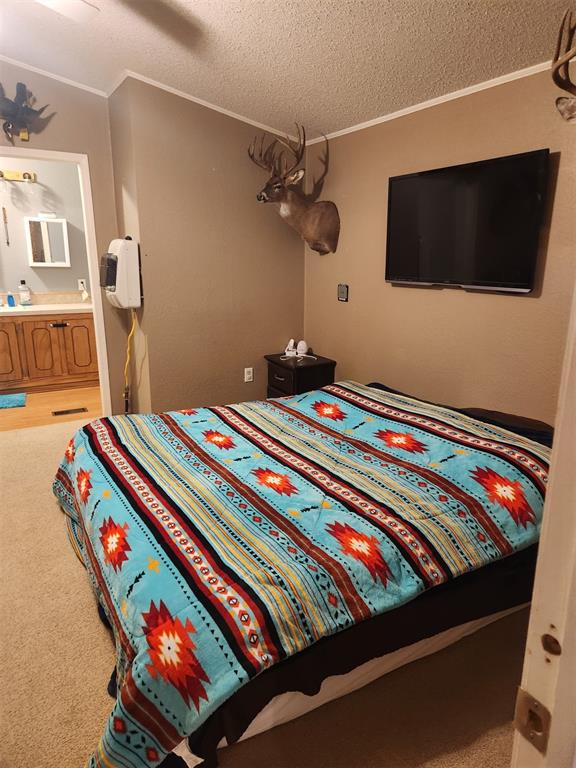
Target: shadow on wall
<point x="179" y="26"/>
<point x="49" y="199"/>
<point x="315" y="161"/>
<point x="546" y="223"/>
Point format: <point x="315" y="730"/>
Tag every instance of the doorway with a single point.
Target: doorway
<point x="53" y="360"/>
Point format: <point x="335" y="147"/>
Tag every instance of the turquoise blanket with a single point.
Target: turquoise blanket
<point x="223" y="540"/>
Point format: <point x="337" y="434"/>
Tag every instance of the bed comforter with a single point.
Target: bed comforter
<point x="222" y="540"/>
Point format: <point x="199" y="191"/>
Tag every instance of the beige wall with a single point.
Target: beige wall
<point x="222" y="275"/>
<point x="80" y="126"/>
<point x="468" y="349"/>
<point x="127" y="214"/>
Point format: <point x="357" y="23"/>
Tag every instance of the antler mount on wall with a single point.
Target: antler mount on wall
<point x="317" y="222"/>
<point x="565" y="52"/>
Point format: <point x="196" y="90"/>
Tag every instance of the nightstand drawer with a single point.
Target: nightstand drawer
<point x="281" y="378"/>
<point x="295" y="375"/>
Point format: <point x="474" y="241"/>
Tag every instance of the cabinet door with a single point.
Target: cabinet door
<point x="42" y="348"/>
<point x="10" y="365"/>
<point x="80" y="345"/>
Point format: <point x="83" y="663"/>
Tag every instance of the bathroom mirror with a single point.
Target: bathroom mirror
<point x="47" y="241"/>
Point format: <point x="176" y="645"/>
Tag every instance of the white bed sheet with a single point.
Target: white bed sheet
<point x="289" y="706"/>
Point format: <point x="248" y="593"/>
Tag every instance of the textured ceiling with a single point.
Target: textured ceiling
<point x="330" y="64"/>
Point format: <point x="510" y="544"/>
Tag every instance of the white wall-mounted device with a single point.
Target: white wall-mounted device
<point x="120" y="274"/>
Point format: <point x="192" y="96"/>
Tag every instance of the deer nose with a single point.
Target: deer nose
<point x="261" y="197"/>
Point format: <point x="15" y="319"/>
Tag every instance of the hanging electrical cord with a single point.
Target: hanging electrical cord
<point x="127" y="364"/>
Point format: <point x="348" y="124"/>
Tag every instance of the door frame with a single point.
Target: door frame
<point x="81" y="162"/>
<point x="547" y="676"/>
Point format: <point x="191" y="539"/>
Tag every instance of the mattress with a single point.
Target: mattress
<point x="289" y="706"/>
<point x="462" y="605"/>
<point x="229" y="545"/>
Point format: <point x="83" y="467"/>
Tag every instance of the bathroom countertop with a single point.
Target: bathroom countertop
<point x="45" y="309"/>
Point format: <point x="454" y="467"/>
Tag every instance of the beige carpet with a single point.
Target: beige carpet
<point x="451" y="710"/>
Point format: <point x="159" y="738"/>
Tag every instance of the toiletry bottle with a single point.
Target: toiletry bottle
<point x="24" y="291"/>
<point x="10" y="300"/>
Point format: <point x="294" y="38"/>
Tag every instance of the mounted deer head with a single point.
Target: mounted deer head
<point x="317" y="223"/>
<point x="565" y="51"/>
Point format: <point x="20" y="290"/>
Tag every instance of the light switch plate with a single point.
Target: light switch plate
<point x="342" y="292"/>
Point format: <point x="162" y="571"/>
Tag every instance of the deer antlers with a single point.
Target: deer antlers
<point x="295" y="147"/>
<point x="561" y="67"/>
<point x="275" y="162"/>
<point x="265" y="158"/>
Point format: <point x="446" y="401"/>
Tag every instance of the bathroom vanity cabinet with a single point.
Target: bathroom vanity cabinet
<point x="47" y="351"/>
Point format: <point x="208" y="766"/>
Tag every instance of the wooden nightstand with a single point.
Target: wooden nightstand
<point x="296" y="375"/>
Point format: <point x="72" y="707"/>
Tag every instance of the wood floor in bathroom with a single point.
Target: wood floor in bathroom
<point x="39" y="406"/>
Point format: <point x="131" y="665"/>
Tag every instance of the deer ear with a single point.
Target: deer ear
<point x="567" y="108"/>
<point x="295" y="177"/>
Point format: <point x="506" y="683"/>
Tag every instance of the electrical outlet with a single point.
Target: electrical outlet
<point x="82" y="284"/>
<point x="248" y="375"/>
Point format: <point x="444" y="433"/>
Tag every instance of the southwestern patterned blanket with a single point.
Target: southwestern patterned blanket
<point x="222" y="540"/>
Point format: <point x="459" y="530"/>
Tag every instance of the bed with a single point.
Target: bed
<point x="258" y="559"/>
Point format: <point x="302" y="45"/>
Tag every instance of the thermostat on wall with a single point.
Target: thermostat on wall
<point x="342" y="292"/>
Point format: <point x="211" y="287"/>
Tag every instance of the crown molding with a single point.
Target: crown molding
<point x="508" y="78"/>
<point x="127" y="73"/>
<point x="501" y="80"/>
<point x="52" y="76"/>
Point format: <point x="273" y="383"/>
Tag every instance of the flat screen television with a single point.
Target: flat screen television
<point x="474" y="226"/>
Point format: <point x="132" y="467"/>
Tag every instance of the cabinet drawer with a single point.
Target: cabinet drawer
<point x="281" y="378"/>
